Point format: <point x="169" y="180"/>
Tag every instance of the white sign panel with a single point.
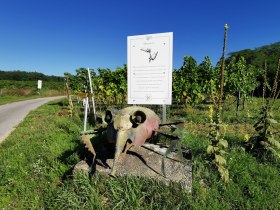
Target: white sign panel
<point x="40" y="84"/>
<point x="149" y="65"/>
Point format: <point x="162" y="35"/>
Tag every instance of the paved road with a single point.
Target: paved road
<point x="11" y="114"/>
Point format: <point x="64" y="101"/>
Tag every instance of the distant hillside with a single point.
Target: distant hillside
<point x="28" y="76"/>
<point x="257" y="57"/>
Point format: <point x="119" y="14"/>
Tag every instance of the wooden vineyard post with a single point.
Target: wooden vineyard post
<point x="221" y="90"/>
<point x="70" y="106"/>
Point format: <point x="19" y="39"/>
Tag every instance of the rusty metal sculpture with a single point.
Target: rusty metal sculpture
<point x="128" y="127"/>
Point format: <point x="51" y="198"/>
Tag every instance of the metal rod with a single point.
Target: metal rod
<point x="92" y="96"/>
<point x="85" y="115"/>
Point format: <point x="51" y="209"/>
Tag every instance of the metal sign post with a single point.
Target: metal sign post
<point x="163" y="113"/>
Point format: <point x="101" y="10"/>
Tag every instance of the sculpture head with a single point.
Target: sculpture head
<point x="137" y="122"/>
<point x="132" y="125"/>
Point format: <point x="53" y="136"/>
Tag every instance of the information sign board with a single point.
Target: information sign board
<point x="149" y="65"/>
<point x="39" y="84"/>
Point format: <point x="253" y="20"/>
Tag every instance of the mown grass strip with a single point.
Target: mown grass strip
<point x="11" y="99"/>
<point x="5" y="99"/>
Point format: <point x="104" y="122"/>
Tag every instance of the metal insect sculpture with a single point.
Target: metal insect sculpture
<point x="131" y="126"/>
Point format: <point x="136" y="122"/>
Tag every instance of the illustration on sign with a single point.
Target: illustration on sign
<point x="150" y="68"/>
<point x="152" y="57"/>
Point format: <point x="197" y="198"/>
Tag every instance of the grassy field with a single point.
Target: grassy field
<point x="4" y="99"/>
<point x="36" y="162"/>
<point x="11" y="99"/>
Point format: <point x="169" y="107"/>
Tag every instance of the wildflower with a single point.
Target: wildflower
<point x="246" y="137"/>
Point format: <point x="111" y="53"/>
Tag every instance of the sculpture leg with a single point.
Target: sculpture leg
<point x="121" y="141"/>
<point x="128" y="146"/>
<point x="88" y="145"/>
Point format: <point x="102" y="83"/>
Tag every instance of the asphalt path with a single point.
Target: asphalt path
<point x="12" y="114"/>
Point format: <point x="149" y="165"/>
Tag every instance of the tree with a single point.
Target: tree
<point x="258" y="56"/>
<point x="207" y="75"/>
<point x="241" y="80"/>
<point x="189" y="83"/>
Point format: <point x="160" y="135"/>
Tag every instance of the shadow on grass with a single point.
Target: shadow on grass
<point x="60" y="103"/>
<point x="103" y="152"/>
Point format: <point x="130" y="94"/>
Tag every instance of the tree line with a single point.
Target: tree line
<point x="28" y="76"/>
<point x="192" y="82"/>
<point x="257" y="57"/>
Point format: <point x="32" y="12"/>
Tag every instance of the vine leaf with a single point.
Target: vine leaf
<point x="223" y="143"/>
<point x="221" y="161"/>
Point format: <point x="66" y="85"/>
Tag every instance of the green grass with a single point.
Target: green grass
<point x="33" y="159"/>
<point x="37" y="159"/>
<point x="11" y="99"/>
<point x="5" y="99"/>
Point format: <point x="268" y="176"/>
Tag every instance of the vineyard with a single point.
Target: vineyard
<point x="20" y="85"/>
<point x="191" y="83"/>
<point x="231" y="81"/>
<point x="244" y="78"/>
<point x="231" y="113"/>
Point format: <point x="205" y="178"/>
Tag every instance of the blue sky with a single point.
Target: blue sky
<point x="57" y="36"/>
